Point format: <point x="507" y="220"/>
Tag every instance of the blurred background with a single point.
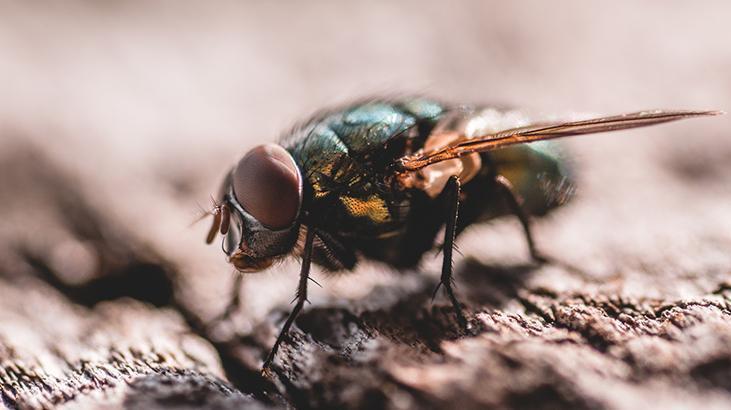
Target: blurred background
<point x="133" y="111"/>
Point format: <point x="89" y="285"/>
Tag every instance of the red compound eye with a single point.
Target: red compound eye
<point x="268" y="185"/>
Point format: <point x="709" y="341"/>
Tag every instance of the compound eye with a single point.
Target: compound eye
<point x="267" y="184"/>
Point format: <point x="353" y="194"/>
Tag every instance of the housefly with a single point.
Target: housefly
<point x="379" y="180"/>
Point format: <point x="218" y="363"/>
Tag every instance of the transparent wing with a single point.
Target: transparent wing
<point x="540" y="132"/>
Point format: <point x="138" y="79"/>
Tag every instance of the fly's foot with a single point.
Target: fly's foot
<point x="461" y="319"/>
<point x="458" y="311"/>
<point x="266" y="368"/>
<point x="464" y="325"/>
<point x="266" y="371"/>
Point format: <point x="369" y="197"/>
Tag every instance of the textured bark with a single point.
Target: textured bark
<point x="118" y="353"/>
<point x="534" y="341"/>
<point x="107" y="295"/>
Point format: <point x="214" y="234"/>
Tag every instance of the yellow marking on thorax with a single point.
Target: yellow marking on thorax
<point x="373" y="208"/>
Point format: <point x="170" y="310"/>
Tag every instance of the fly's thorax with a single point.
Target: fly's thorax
<point x="345" y="158"/>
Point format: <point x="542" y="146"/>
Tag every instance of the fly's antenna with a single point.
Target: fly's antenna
<point x="221" y="219"/>
<point x="202" y="213"/>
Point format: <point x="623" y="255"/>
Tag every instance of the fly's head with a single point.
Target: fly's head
<point x="259" y="208"/>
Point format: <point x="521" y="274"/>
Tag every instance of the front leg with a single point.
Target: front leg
<point x="451" y="191"/>
<point x="301" y="297"/>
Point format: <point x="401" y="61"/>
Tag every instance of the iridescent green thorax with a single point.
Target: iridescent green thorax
<point x="345" y="156"/>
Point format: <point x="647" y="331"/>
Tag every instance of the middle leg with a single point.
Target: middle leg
<point x="452" y="197"/>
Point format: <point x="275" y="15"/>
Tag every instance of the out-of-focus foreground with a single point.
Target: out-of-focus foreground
<point x="117" y="119"/>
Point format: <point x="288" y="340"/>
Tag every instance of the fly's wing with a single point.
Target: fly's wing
<point x="539" y="132"/>
<point x="541" y="173"/>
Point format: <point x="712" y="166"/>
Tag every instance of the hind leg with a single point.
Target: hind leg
<point x="514" y="203"/>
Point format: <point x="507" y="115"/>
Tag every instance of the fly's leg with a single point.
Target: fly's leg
<point x="514" y="202"/>
<point x="301" y="298"/>
<point x="452" y="197"/>
<point x="234" y="301"/>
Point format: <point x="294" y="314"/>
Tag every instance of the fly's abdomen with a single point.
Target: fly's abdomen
<point x="539" y="172"/>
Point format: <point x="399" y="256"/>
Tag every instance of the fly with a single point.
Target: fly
<point x="379" y="180"/>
